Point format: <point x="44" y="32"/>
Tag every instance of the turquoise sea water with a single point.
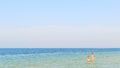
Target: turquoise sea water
<point x="59" y="58"/>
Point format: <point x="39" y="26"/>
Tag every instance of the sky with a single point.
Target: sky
<point x="59" y="24"/>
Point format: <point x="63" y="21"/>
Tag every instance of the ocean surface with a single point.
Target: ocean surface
<point x="58" y="57"/>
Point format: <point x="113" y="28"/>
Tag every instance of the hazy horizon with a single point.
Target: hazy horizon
<point x="60" y="24"/>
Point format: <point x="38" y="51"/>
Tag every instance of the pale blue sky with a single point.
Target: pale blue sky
<point x="26" y="21"/>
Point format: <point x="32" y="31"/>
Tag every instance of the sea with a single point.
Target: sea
<point x="59" y="57"/>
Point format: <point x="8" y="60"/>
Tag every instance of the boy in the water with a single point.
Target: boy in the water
<point x="88" y="59"/>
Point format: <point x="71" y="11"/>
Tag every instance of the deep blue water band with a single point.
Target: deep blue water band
<point x="13" y="51"/>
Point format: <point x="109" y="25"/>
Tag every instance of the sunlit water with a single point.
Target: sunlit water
<point x="58" y="58"/>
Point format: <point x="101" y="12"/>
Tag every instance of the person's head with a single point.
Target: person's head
<point x="88" y="56"/>
<point x="93" y="53"/>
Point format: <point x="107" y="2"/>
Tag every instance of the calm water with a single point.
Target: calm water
<point x="59" y="58"/>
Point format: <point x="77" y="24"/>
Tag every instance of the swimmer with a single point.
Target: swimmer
<point x="88" y="59"/>
<point x="93" y="56"/>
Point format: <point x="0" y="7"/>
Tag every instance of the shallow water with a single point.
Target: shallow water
<point x="58" y="58"/>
